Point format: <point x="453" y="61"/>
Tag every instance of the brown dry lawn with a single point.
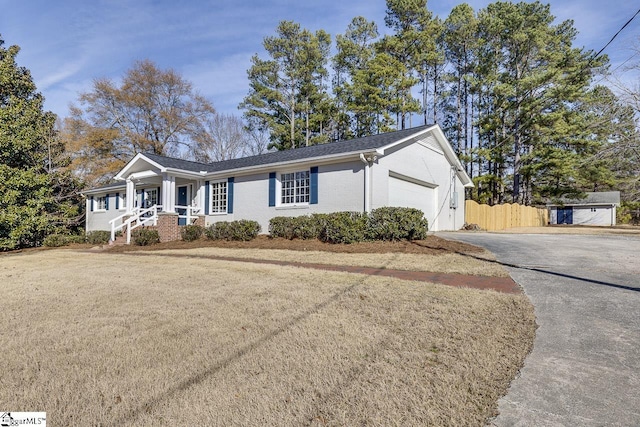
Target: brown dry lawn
<point x="107" y="339"/>
<point x="433" y="254"/>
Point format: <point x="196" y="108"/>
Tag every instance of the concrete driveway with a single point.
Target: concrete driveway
<point x="584" y="369"/>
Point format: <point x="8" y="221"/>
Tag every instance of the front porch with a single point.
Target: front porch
<point x="160" y="199"/>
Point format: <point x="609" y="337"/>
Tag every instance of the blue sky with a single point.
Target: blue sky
<point x="66" y="44"/>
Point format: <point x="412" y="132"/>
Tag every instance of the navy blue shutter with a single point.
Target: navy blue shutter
<point x="141" y="199"/>
<point x="230" y="195"/>
<point x="91" y="204"/>
<point x="159" y="199"/>
<point x="117" y="200"/>
<point x="206" y="197"/>
<point x="313" y="186"/>
<point x="106" y="202"/>
<point x="272" y="189"/>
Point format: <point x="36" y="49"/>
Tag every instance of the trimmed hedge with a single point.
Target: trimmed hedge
<point x="57" y="240"/>
<point x="390" y="223"/>
<point x="145" y="236"/>
<point x="297" y="227"/>
<point x="189" y="233"/>
<point x="242" y="230"/>
<point x="77" y="239"/>
<point x="98" y="237"/>
<point x="345" y="227"/>
<point x="386" y="223"/>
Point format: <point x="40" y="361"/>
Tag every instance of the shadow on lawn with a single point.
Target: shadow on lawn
<point x="198" y="378"/>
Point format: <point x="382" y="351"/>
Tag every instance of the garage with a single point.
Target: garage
<point x="411" y="193"/>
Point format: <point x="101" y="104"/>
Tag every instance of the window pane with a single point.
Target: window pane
<point x="218" y="197"/>
<point x="295" y="187"/>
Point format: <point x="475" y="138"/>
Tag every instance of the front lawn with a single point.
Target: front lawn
<point x="109" y="339"/>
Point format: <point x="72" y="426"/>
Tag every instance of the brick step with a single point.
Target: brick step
<point x="120" y="240"/>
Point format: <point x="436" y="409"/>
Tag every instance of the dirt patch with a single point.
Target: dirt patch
<point x="432" y="245"/>
<point x="147" y="340"/>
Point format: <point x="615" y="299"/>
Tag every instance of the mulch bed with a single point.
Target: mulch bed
<point x="432" y="245"/>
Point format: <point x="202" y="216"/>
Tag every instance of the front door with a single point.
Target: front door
<point x="183" y="200"/>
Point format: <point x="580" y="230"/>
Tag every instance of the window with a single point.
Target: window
<point x="123" y="200"/>
<point x="150" y="197"/>
<point x="294" y="187"/>
<point x="218" y="197"/>
<point x="101" y="203"/>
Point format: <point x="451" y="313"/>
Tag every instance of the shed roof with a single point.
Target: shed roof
<point x="592" y="198"/>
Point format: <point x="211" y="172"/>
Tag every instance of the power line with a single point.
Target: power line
<point x="618" y="67"/>
<point x="616" y="34"/>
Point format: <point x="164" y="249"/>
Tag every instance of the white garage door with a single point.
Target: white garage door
<point x="408" y="194"/>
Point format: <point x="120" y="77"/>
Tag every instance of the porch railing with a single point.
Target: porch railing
<point x="190" y="213"/>
<point x="148" y="216"/>
<point x="137" y="218"/>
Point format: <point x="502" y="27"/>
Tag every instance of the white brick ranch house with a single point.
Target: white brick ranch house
<point x="414" y="167"/>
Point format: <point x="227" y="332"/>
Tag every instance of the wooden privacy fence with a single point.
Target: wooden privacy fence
<point x="499" y="217"/>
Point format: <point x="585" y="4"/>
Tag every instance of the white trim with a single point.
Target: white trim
<point x="96" y="203"/>
<point x="382" y="149"/>
<point x="446" y="148"/>
<point x="412" y="180"/>
<point x="287" y="207"/>
<point x="101" y="190"/>
<point x="291" y="164"/>
<point x="143" y="174"/>
<point x="122" y="175"/>
<point x="226" y="197"/>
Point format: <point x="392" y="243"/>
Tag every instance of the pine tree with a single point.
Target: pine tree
<point x="532" y="78"/>
<point x="355" y="49"/>
<point x="412" y="46"/>
<point x="287" y="92"/>
<point x="460" y="42"/>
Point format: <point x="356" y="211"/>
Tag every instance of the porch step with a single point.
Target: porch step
<point x="120" y="240"/>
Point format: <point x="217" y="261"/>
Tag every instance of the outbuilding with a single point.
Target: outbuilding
<point x="597" y="208"/>
<point x="414" y="168"/>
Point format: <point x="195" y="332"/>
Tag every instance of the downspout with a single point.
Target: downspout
<point x="368" y="163"/>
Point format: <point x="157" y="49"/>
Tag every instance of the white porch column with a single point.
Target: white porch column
<point x="172" y="194"/>
<point x="200" y="196"/>
<point x="166" y="193"/>
<point x="131" y="195"/>
<point x="168" y="196"/>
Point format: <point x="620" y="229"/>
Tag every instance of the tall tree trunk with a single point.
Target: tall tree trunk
<point x="292" y="121"/>
<point x="424" y="91"/>
<point x="458" y="112"/>
<point x="306" y="137"/>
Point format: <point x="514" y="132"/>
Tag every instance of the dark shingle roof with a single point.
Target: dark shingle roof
<point x="340" y="147"/>
<point x="170" y="162"/>
<point x="103" y="188"/>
